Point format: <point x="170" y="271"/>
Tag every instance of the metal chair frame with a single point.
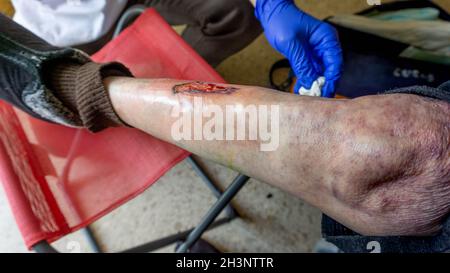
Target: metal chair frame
<point x="187" y="237"/>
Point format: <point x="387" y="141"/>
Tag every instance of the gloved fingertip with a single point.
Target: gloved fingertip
<point x="305" y="81"/>
<point x="328" y="90"/>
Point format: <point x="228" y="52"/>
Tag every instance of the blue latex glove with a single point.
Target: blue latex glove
<point x="312" y="46"/>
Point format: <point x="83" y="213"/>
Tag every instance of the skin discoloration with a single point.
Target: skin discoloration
<point x="380" y="165"/>
<point x="203" y="88"/>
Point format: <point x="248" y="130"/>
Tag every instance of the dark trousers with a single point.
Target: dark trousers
<point x="216" y="29"/>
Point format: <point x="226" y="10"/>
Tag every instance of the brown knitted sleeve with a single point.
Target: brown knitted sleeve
<point x="81" y="88"/>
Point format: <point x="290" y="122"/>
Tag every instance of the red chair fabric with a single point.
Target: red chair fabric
<point x="60" y="179"/>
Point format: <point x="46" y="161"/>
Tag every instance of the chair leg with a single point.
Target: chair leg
<point x="214" y="212"/>
<point x="207" y="222"/>
<point x="171" y="239"/>
<point x="229" y="210"/>
<point x="44" y="247"/>
<point x="92" y="241"/>
<point x="128" y="17"/>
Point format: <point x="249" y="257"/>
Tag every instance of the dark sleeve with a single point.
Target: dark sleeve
<point x="60" y="85"/>
<point x="440" y="93"/>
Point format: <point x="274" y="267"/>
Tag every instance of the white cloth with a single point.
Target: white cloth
<point x="315" y="90"/>
<point x="68" y="22"/>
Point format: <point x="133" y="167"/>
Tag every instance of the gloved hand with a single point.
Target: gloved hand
<point x="312" y="46"/>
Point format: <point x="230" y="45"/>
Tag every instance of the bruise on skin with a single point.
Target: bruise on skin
<point x="203" y="87"/>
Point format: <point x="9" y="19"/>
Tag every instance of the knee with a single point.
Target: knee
<point x="399" y="183"/>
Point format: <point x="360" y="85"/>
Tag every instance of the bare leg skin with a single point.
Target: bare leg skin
<point x="378" y="164"/>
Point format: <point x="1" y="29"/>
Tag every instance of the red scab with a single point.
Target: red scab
<point x="202" y="87"/>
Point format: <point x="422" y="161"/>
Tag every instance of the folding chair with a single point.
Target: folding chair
<point x="52" y="174"/>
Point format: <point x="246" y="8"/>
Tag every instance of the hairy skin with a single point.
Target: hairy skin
<point x="379" y="164"/>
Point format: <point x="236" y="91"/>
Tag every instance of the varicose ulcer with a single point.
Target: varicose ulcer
<point x="202" y="87"/>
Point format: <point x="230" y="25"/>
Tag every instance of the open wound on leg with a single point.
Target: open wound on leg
<point x="202" y="87"/>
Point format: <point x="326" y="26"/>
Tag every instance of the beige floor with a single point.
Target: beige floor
<point x="272" y="220"/>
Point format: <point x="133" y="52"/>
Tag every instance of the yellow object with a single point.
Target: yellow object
<point x="340" y="97"/>
<point x="6" y="8"/>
